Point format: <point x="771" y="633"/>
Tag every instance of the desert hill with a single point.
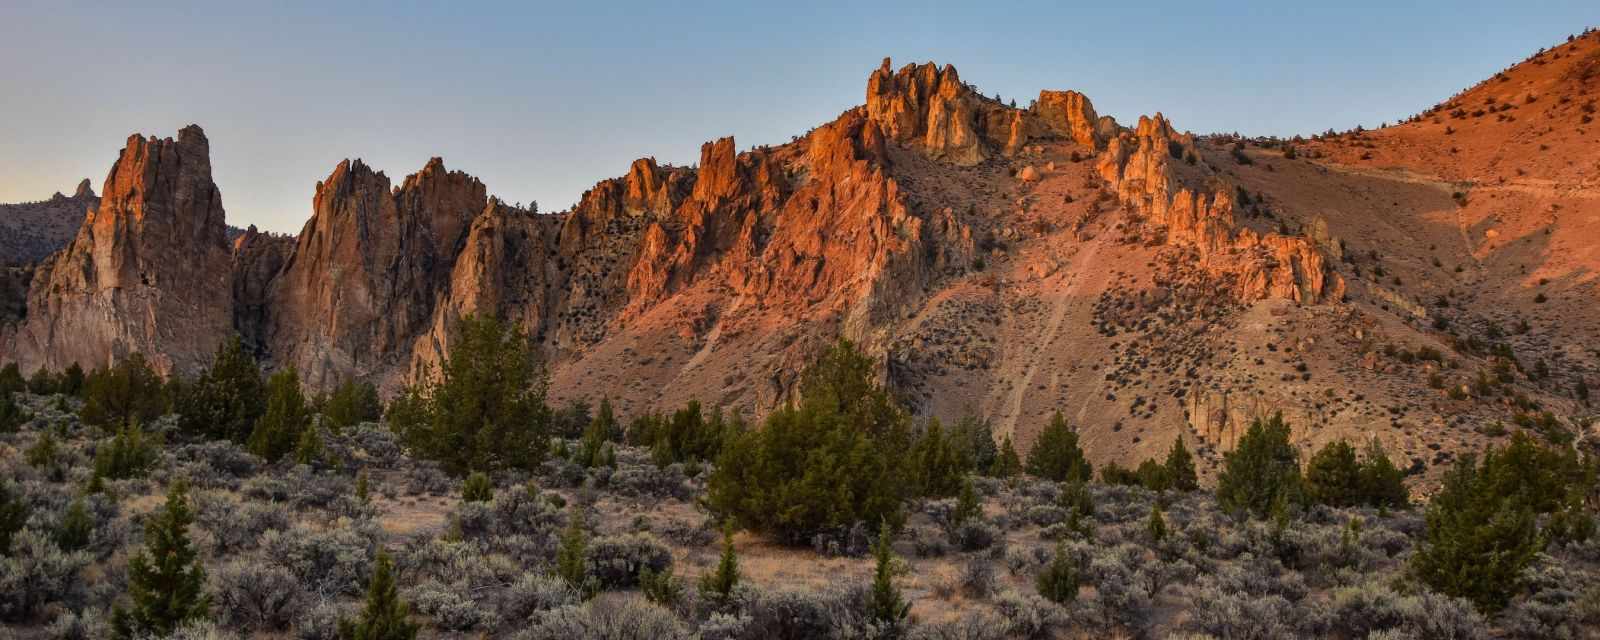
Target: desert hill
<point x="1416" y="283"/>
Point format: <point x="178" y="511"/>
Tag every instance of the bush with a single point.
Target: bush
<point x="616" y="561"/>
<point x="327" y="562"/>
<point x="484" y="409"/>
<point x="1059" y="581"/>
<point x="832" y="460"/>
<point x="532" y="593"/>
<point x="237" y="525"/>
<point x="37" y="573"/>
<point x="14" y="512"/>
<point x="126" y="455"/>
<point x="252" y="596"/>
<point x="688" y="434"/>
<point x="477" y="488"/>
<point x="1056" y="456"/>
<point x="623" y="617"/>
<point x="1262" y="470"/>
<point x="448" y="608"/>
<point x="795" y="614"/>
<point x="12" y="415"/>
<point x="128" y="392"/>
<point x="1028" y="615"/>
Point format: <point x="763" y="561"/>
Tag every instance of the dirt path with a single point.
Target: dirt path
<point x="1061" y="301"/>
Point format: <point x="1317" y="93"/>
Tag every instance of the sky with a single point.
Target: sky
<point x="542" y="100"/>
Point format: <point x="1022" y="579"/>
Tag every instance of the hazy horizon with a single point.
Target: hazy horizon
<point x="542" y="102"/>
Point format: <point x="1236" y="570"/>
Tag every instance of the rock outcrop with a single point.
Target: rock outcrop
<point x="361" y="283"/>
<point x="929" y="108"/>
<point x="31" y="231"/>
<point x="149" y="270"/>
<point x="1140" y="165"/>
<point x="1070" y="114"/>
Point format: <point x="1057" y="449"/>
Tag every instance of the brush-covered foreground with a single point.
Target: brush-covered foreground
<point x="288" y="550"/>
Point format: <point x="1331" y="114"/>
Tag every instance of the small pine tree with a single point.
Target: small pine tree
<point x="286" y="416"/>
<point x="477" y="488"/>
<point x="886" y="606"/>
<point x="572" y="556"/>
<point x="11" y="380"/>
<point x="1056" y="455"/>
<point x="1477" y="542"/>
<point x="362" y="488"/>
<point x="718" y="585"/>
<point x="936" y="463"/>
<point x="131" y="391"/>
<point x="72" y="380"/>
<point x="662" y="587"/>
<point x="42" y="455"/>
<point x="76" y="527"/>
<point x="1264" y="467"/>
<point x="1180" y="467"/>
<point x="127" y="455"/>
<point x="42" y="383"/>
<point x="1058" y="582"/>
<point x="1152" y="475"/>
<point x="226" y="399"/>
<point x="385" y="616"/>
<point x="1156" y="526"/>
<point x="166" y="582"/>
<point x="968" y="507"/>
<point x="13" y="514"/>
<point x="1007" y="464"/>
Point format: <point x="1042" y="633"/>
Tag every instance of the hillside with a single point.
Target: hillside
<point x="1418" y="283"/>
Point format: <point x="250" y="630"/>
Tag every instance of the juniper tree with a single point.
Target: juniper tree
<point x="968" y="507"/>
<point x="166" y="583"/>
<point x="1333" y="477"/>
<point x="351" y="403"/>
<point x="1156" y="525"/>
<point x="279" y="429"/>
<point x="886" y="606"/>
<point x="1382" y="483"/>
<point x="126" y="455"/>
<point x="483" y="408"/>
<point x="1477" y="542"/>
<point x="128" y="391"/>
<point x="1261" y="470"/>
<point x="385" y="616"/>
<point x="718" y="585"/>
<point x="1007" y="464"/>
<point x="572" y="554"/>
<point x="1059" y="580"/>
<point x="13" y="514"/>
<point x="76" y="527"/>
<point x="1056" y="455"/>
<point x="227" y="398"/>
<point x="1180" y="467"/>
<point x="937" y="465"/>
<point x="477" y="488"/>
<point x="12" y="415"/>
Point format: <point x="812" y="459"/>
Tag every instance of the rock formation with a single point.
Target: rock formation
<point x="149" y="270"/>
<point x="31" y="231"/>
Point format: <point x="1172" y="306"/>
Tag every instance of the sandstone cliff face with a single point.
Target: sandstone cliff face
<point x="1141" y="167"/>
<point x="148" y="271"/>
<point x="361" y="282"/>
<point x="929" y="108"/>
<point x="1069" y="114"/>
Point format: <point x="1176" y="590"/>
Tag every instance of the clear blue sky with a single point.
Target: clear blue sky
<point x="543" y="101"/>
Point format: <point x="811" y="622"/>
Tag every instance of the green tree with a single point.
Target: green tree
<point x="308" y="447"/>
<point x="605" y="420"/>
<point x="572" y="554"/>
<point x="286" y="416"/>
<point x="76" y="527"/>
<point x="1056" y="456"/>
<point x="362" y="488"/>
<point x="1153" y="476"/>
<point x="973" y="439"/>
<point x="72" y="380"/>
<point x="595" y="449"/>
<point x="968" y="507"/>
<point x="12" y="415"/>
<point x="886" y="606"/>
<point x="129" y="391"/>
<point x="42" y="455"/>
<point x="1059" y="580"/>
<point x="1262" y="468"/>
<point x="385" y="616"/>
<point x="1156" y="525"/>
<point x="126" y="455"/>
<point x="477" y="488"/>
<point x="13" y="514"/>
<point x="1382" y="483"/>
<point x="1180" y="467"/>
<point x="936" y="463"/>
<point x="350" y="404"/>
<point x="833" y="459"/>
<point x="685" y="436"/>
<point x="11" y="380"/>
<point x="226" y="399"/>
<point x="1477" y="543"/>
<point x="1007" y="464"/>
<point x="166" y="583"/>
<point x="1333" y="477"/>
<point x="484" y="408"/>
<point x="42" y="383"/>
<point x="718" y="585"/>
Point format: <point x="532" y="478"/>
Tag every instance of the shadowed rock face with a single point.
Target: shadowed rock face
<point x="148" y="271"/>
